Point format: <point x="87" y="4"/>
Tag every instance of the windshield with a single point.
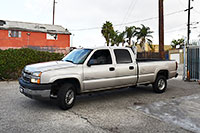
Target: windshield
<point x="77" y="56"/>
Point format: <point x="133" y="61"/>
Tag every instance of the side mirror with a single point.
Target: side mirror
<point x="91" y="62"/>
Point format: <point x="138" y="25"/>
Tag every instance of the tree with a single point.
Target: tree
<point x="121" y="38"/>
<point x="144" y="36"/>
<point x="113" y="37"/>
<point x="117" y="38"/>
<point x="130" y="33"/>
<point x="179" y="43"/>
<point x="106" y="31"/>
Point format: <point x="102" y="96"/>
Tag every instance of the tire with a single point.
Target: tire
<point x="160" y="85"/>
<point x="66" y="96"/>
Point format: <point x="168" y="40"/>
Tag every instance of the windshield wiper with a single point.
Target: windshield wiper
<point x="69" y="61"/>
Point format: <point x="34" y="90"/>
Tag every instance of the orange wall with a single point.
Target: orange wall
<point x="35" y="39"/>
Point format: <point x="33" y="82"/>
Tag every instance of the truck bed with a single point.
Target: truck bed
<point x="147" y="69"/>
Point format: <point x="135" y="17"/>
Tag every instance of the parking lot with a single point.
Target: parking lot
<point x="121" y="110"/>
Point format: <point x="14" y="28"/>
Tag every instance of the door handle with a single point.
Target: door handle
<point x="131" y="67"/>
<point x="111" y="69"/>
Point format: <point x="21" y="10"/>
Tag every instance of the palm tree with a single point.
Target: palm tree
<point x="121" y="38"/>
<point x="179" y="42"/>
<point x="117" y="38"/>
<point x="113" y="37"/>
<point x="144" y="36"/>
<point x="130" y="33"/>
<point x="106" y="31"/>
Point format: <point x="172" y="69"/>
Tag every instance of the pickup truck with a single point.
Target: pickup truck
<point x="93" y="69"/>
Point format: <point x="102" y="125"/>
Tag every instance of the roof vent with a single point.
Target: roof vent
<point x="2" y="22"/>
<point x="36" y="27"/>
<point x="51" y="30"/>
<point x="42" y="27"/>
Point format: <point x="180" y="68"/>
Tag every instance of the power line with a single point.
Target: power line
<point x="147" y="19"/>
<point x="142" y="20"/>
<point x="131" y="7"/>
<point x="177" y="28"/>
<point x="193" y="8"/>
<point x="170" y="31"/>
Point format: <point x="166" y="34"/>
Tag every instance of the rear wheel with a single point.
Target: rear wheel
<point x="66" y="96"/>
<point x="160" y="84"/>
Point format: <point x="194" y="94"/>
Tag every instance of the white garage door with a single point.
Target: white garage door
<point x="175" y="57"/>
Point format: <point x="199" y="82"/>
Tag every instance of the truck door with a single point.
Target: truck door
<point x="126" y="67"/>
<point x="99" y="72"/>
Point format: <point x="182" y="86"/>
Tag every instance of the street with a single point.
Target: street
<point x="120" y="110"/>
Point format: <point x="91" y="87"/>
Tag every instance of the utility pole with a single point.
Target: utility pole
<point x="161" y="29"/>
<point x="54" y="2"/>
<point x="188" y="39"/>
<point x="188" y="25"/>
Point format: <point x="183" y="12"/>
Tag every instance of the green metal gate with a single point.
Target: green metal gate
<point x="193" y="63"/>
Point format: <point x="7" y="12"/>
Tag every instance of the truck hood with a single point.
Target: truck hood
<point x="48" y="66"/>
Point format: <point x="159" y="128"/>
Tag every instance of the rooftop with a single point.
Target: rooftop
<point x="34" y="27"/>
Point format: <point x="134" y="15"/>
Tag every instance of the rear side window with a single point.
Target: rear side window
<point x="122" y="56"/>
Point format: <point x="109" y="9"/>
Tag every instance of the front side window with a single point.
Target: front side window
<point x="77" y="56"/>
<point x="14" y="33"/>
<point x="101" y="57"/>
<point x="122" y="56"/>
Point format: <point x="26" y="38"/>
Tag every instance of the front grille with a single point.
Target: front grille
<point x="26" y="76"/>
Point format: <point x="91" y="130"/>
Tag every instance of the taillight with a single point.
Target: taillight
<point x="176" y="65"/>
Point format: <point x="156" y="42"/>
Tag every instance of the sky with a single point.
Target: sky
<point x="84" y="18"/>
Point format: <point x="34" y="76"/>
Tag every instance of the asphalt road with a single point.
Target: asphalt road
<point x="110" y="111"/>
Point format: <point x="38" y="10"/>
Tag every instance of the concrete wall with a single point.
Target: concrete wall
<point x="180" y="53"/>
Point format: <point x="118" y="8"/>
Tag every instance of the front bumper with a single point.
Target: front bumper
<point x="35" y="91"/>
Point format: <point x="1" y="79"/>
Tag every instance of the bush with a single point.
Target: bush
<point x="12" y="61"/>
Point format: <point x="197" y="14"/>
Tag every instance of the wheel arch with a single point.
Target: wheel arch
<point x="163" y="73"/>
<point x="59" y="82"/>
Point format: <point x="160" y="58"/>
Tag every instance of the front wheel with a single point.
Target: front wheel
<point x="66" y="96"/>
<point x="160" y="84"/>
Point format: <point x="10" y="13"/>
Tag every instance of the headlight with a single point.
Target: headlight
<point x="37" y="74"/>
<point x="35" y="78"/>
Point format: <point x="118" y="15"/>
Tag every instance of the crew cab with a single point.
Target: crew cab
<point x="93" y="69"/>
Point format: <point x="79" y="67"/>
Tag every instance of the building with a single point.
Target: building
<point x="152" y="52"/>
<point x="14" y="34"/>
<point x="155" y="48"/>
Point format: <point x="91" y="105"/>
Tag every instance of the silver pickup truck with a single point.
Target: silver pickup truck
<point x="87" y="70"/>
